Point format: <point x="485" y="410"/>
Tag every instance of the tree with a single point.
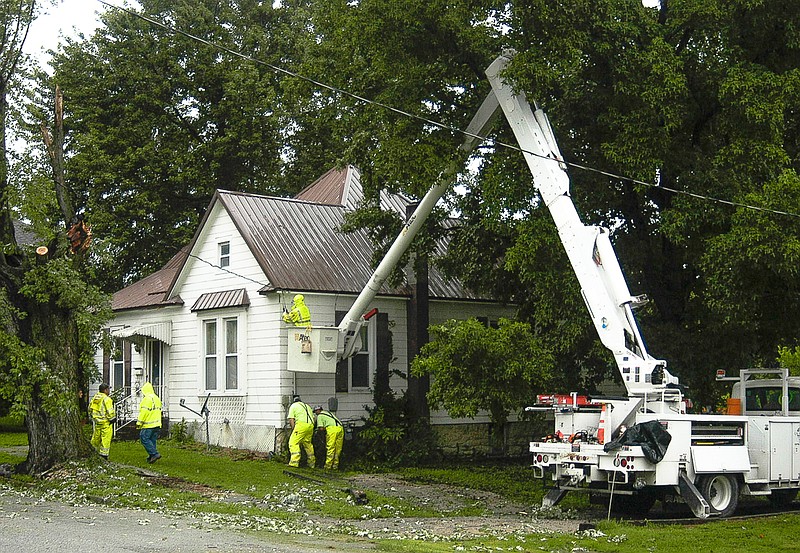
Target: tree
<point x="474" y="367"/>
<point x="47" y="311"/>
<point x="157" y="120"/>
<point x="692" y="97"/>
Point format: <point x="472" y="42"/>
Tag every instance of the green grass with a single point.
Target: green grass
<point x="171" y="487"/>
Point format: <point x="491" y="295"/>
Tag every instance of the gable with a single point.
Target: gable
<point x="298" y="244"/>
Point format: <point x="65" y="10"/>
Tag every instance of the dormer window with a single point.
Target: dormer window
<point x="224" y="254"/>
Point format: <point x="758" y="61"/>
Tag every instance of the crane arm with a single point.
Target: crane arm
<point x="588" y="247"/>
<point x="350" y="327"/>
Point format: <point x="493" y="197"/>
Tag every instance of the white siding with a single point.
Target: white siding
<point x="265" y="385"/>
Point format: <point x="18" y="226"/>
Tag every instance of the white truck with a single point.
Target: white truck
<point x="646" y="446"/>
<point x="633" y="449"/>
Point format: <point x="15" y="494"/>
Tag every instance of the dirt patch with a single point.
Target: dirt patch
<point x="499" y="516"/>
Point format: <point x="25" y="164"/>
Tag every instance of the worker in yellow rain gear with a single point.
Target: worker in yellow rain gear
<point x="301" y="420"/>
<point x="334" y="436"/>
<point x="298" y="315"/>
<point x="149" y="422"/>
<point x="101" y="409"/>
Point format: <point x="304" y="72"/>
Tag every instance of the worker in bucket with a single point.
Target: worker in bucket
<point x="149" y="422"/>
<point x="298" y="315"/>
<point x="301" y="420"/>
<point x="101" y="409"/>
<point x="328" y="423"/>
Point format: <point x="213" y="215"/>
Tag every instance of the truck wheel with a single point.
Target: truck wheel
<point x="782" y="498"/>
<point x="722" y="493"/>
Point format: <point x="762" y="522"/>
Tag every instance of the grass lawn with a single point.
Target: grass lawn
<point x="214" y="487"/>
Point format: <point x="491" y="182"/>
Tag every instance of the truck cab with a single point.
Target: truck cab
<point x="765" y="396"/>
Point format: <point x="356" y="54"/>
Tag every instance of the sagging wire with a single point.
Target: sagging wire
<point x="439" y="124"/>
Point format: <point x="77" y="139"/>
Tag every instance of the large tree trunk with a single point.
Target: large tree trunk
<point x="54" y="424"/>
<point x="49" y="388"/>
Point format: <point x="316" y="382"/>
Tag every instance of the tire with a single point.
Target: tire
<point x="782" y="498"/>
<point x="721" y="491"/>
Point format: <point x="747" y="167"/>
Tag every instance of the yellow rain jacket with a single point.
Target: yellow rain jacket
<point x="299" y="315"/>
<point x="302" y="433"/>
<point x="101" y="409"/>
<point x="149" y="408"/>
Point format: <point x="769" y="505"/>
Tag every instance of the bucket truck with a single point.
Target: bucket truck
<point x="645" y="446"/>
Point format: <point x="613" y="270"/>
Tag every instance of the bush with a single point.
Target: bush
<point x="392" y="437"/>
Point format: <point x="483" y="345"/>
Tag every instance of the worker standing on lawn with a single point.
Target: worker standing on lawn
<point x="298" y="315"/>
<point x="149" y="422"/>
<point x="301" y="420"/>
<point x="101" y="409"/>
<point x="334" y="436"/>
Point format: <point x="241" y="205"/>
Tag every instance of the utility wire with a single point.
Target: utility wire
<point x="439" y="124"/>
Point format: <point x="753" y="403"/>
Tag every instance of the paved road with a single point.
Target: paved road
<point x="31" y="525"/>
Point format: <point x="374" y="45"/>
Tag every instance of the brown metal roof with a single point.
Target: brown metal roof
<point x="328" y="189"/>
<point x="297" y="244"/>
<point x="218" y="300"/>
<point x="343" y="187"/>
<point x="299" y="247"/>
<point x="151" y="290"/>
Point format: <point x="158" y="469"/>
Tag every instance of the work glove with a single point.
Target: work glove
<point x="138" y="425"/>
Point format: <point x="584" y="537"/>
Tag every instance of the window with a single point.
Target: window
<point x="118" y="365"/>
<point x="231" y="355"/>
<point x="224" y="254"/>
<point x="211" y="354"/>
<point x="770" y="398"/>
<point x="355" y="373"/>
<point x="221" y="353"/>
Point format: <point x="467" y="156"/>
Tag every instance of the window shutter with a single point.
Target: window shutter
<point x="127" y="364"/>
<point x="106" y="365"/>
<point x="383" y="355"/>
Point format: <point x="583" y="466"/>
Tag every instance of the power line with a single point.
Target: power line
<point x="439" y="124"/>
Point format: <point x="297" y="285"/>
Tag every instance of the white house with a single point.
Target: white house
<point x="206" y="329"/>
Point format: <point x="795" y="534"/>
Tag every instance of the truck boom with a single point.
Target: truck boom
<point x="589" y="248"/>
<point x="349" y="328"/>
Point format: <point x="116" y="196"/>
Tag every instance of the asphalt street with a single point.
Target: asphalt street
<point x="31" y="525"/>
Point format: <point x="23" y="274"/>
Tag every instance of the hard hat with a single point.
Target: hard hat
<point x="317" y="408"/>
<point x="296" y="398"/>
<point x="298" y="298"/>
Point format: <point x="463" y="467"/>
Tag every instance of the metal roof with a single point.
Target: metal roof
<point x="218" y="300"/>
<point x="151" y="290"/>
<point x="298" y="245"/>
<point x="343" y="187"/>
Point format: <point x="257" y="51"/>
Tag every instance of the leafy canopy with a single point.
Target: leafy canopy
<point x="475" y="368"/>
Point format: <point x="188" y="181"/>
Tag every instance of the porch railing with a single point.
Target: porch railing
<point x="127" y="408"/>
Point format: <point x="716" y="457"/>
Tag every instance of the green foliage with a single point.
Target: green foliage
<point x="703" y="97"/>
<point x="156" y="121"/>
<point x="789" y="358"/>
<point x="179" y="432"/>
<point x="392" y="437"/>
<point x="474" y="367"/>
<point x="29" y="362"/>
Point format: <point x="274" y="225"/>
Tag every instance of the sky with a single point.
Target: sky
<point x="63" y="19"/>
